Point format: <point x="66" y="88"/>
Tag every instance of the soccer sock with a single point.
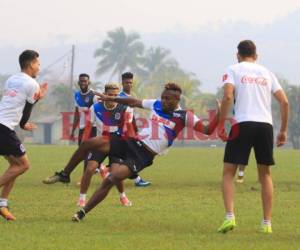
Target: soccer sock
<point x="82" y="196"/>
<point x="3" y="202"/>
<point x="122" y="195"/>
<point x="241" y="173"/>
<point x="137" y="179"/>
<point x="230" y="216"/>
<point x="266" y="222"/>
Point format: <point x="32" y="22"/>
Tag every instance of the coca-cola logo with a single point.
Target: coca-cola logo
<point x="254" y="80"/>
<point x="11" y="93"/>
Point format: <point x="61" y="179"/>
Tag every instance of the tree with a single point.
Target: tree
<point x="155" y="61"/>
<point x="120" y="51"/>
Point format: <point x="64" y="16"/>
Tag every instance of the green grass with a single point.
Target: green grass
<point x="181" y="210"/>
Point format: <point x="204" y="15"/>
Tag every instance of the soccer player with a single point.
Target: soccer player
<point x="84" y="99"/>
<point x="127" y="84"/>
<point x="131" y="155"/>
<point x="21" y="92"/>
<point x="250" y="86"/>
<point x="111" y="120"/>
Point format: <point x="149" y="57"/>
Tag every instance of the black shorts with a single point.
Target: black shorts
<point x="258" y="135"/>
<point x="81" y="131"/>
<point x="130" y="152"/>
<point x="10" y="143"/>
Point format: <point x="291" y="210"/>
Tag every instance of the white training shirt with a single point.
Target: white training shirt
<point x="160" y="123"/>
<point x="253" y="89"/>
<point x="18" y="89"/>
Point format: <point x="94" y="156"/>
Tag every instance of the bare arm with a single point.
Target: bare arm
<point x="129" y="101"/>
<point x="226" y="104"/>
<point x="284" y="111"/>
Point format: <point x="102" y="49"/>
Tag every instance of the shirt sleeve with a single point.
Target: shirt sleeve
<point x="228" y="77"/>
<point x="75" y="102"/>
<point x="191" y="119"/>
<point x="275" y="86"/>
<point x="148" y="103"/>
<point x="95" y="99"/>
<point x="32" y="91"/>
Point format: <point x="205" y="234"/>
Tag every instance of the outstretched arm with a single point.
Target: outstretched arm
<point x="129" y="101"/>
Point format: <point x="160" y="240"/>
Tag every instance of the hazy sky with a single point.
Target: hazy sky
<point x="46" y="23"/>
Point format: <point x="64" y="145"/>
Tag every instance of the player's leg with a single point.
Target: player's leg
<point x="263" y="149"/>
<point x="118" y="173"/>
<point x="85" y="181"/>
<point x="264" y="174"/>
<point x="96" y="143"/>
<point x="18" y="165"/>
<point x="237" y="152"/>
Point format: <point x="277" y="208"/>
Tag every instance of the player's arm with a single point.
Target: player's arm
<point x="35" y="94"/>
<point x="128" y="101"/>
<point x="280" y="96"/>
<point x="227" y="101"/>
<point x="211" y="126"/>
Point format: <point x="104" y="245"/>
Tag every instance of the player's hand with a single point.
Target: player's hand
<point x="42" y="92"/>
<point x="222" y="133"/>
<point x="102" y="97"/>
<point x="29" y="126"/>
<point x="281" y="138"/>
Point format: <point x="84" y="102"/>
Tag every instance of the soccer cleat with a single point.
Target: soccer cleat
<point x="228" y="224"/>
<point x="81" y="203"/>
<point x="4" y="212"/>
<point x="57" y="177"/>
<point x="78" y="216"/>
<point x="103" y="171"/>
<point x="240" y="179"/>
<point x="142" y="183"/>
<point x="125" y="202"/>
<point x="264" y="228"/>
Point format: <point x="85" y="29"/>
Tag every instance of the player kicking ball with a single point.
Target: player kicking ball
<point x="132" y="155"/>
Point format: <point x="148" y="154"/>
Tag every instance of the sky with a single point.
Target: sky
<point x="201" y="35"/>
<point x="48" y="23"/>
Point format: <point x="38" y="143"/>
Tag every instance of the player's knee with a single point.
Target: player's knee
<point x="24" y="167"/>
<point x="90" y="170"/>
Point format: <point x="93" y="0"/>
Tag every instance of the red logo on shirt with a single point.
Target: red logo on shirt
<point x="225" y="77"/>
<point x="254" y="80"/>
<point x="11" y="93"/>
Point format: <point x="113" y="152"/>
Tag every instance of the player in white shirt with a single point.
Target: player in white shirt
<point x="250" y="87"/>
<point x="134" y="154"/>
<point x="21" y="92"/>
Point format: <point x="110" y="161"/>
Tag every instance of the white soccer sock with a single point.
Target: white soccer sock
<point x="122" y="195"/>
<point x="137" y="179"/>
<point x="82" y="196"/>
<point x="230" y="215"/>
<point x="241" y="173"/>
<point x="3" y="202"/>
<point x="266" y="222"/>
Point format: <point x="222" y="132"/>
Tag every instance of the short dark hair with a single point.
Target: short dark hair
<point x="173" y="86"/>
<point x="127" y="75"/>
<point x="26" y="57"/>
<point x="246" y="48"/>
<point x="84" y="75"/>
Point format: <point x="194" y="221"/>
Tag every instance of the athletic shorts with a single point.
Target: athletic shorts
<point x="81" y="131"/>
<point x="247" y="135"/>
<point x="130" y="152"/>
<point x="10" y="143"/>
<point x="99" y="156"/>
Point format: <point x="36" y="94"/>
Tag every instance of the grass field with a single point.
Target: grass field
<point x="181" y="210"/>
